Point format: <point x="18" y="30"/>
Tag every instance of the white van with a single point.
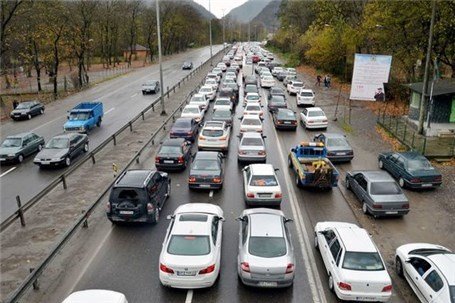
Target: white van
<point x="96" y="296"/>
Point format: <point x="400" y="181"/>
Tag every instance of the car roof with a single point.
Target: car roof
<point x="306" y="90"/>
<point x="206" y="86"/>
<point x="262" y="169"/>
<point x="134" y="178"/>
<point x="411" y="155"/>
<point x="67" y="135"/>
<point x="95" y="295"/>
<point x="376" y="175"/>
<point x="192" y="105"/>
<point x="446" y="264"/>
<point x="334" y="135"/>
<point x="252" y="94"/>
<point x="252" y="117"/>
<point x="20" y="135"/>
<point x="185" y="119"/>
<point x="355" y="239"/>
<point x="264" y="224"/>
<point x="206" y="155"/>
<point x="191" y="227"/>
<point x="206" y="208"/>
<point x="197" y="95"/>
<point x="313" y="109"/>
<point x="251" y="135"/>
<point x="174" y="142"/>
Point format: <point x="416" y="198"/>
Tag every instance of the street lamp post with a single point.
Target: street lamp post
<point x="210" y="29"/>
<point x="224" y="37"/>
<point x="163" y="111"/>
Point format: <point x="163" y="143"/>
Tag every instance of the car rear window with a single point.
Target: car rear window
<point x="189" y="245"/>
<point x="170" y="149"/>
<point x="251" y="142"/>
<point x="206" y="165"/>
<point x="363" y="261"/>
<point x="268" y="180"/>
<point x="251" y="122"/>
<point x="253" y="108"/>
<point x="252" y="97"/>
<point x="297" y="84"/>
<point x="133" y="195"/>
<point x="222" y="113"/>
<point x="341" y="142"/>
<point x="285" y="114"/>
<point x="212" y="132"/>
<point x="223" y="102"/>
<point x="182" y="123"/>
<point x="191" y="110"/>
<point x="306" y="94"/>
<point x="316" y="113"/>
<point x="267" y="247"/>
<point x="384" y="188"/>
<point x="419" y="164"/>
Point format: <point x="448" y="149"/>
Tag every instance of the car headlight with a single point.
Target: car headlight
<point x="11" y="155"/>
<point x="57" y="159"/>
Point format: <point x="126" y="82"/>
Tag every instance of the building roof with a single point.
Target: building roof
<point x="138" y="47"/>
<point x="441" y="87"/>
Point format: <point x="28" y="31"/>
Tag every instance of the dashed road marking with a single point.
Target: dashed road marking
<point x="211" y="194"/>
<point x="134" y="95"/>
<point x="189" y="296"/>
<point x="8" y="171"/>
<point x="109" y="111"/>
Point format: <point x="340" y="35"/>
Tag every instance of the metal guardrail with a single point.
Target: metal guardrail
<point x="32" y="278"/>
<point x="18" y="214"/>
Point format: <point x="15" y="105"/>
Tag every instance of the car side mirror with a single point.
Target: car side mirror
<point x="264" y="137"/>
<point x="221" y="219"/>
<point x="277" y="169"/>
<point x="287" y="220"/>
<point x="239" y="219"/>
<point x="170" y="217"/>
<point x="408" y="260"/>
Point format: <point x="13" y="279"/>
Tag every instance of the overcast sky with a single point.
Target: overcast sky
<point x="217" y="6"/>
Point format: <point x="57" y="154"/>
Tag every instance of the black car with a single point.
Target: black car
<point x="284" y="118"/>
<point x="281" y="76"/>
<point x="276" y="91"/>
<point x="207" y="171"/>
<point x="61" y="149"/>
<point x="250" y="80"/>
<point x="173" y="154"/>
<point x="138" y="196"/>
<point x="186" y="128"/>
<point x="16" y="147"/>
<point x="151" y="87"/>
<point x="250" y="88"/>
<point x="187" y="65"/>
<point x="227" y="92"/>
<point x="271" y="65"/>
<point x="222" y="115"/>
<point x="276" y="102"/>
<point x="26" y="110"/>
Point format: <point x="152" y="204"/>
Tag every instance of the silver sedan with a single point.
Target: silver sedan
<point x="266" y="255"/>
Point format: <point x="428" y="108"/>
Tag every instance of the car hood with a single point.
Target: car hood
<point x="52" y="153"/>
<point x="9" y="150"/>
<point x="389" y="198"/>
<point x="209" y="173"/>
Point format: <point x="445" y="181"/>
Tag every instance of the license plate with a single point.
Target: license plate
<point x="204" y="185"/>
<point x="391" y="212"/>
<point x="45" y="162"/>
<point x="168" y="161"/>
<point x="2" y="159"/>
<point x="126" y="212"/>
<point x="267" y="284"/>
<point x="287" y="122"/>
<point x="341" y="154"/>
<point x="186" y="273"/>
<point x="427" y="185"/>
<point x="264" y="195"/>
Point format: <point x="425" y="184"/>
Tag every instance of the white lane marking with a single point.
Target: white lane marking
<point x="109" y="111"/>
<point x="305" y="244"/>
<point x="189" y="296"/>
<point x="211" y="194"/>
<point x="8" y="171"/>
<point x="134" y="95"/>
<point x="47" y="123"/>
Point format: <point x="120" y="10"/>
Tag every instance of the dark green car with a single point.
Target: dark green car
<point x="16" y="148"/>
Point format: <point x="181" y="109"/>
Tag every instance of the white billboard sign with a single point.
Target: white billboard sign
<point x="370" y="74"/>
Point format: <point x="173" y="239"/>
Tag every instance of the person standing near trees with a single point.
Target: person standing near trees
<point x="15" y="104"/>
<point x="328" y="80"/>
<point x="318" y="80"/>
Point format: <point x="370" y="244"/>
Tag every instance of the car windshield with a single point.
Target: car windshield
<point x="385" y="188"/>
<point x="297" y="84"/>
<point x="78" y="116"/>
<point x="419" y="164"/>
<point x="251" y="122"/>
<point x="191" y="110"/>
<point x="341" y="142"/>
<point x="170" y="149"/>
<point x="267" y="247"/>
<point x="206" y="90"/>
<point x="223" y="102"/>
<point x="267" y="78"/>
<point x="182" y="124"/>
<point x="286" y="115"/>
<point x="306" y="94"/>
<point x="58" y="143"/>
<point x="316" y="113"/>
<point x="251" y="88"/>
<point x="268" y="180"/>
<point x="364" y="261"/>
<point x="222" y="113"/>
<point x="253" y="108"/>
<point x="251" y="142"/>
<point x="278" y="92"/>
<point x="252" y="97"/>
<point x="189" y="245"/>
<point x="198" y="99"/>
<point x="202" y="164"/>
<point x="277" y="102"/>
<point x="12" y="142"/>
<point x="212" y="132"/>
<point x="24" y="105"/>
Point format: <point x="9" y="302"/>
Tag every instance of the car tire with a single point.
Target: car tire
<point x="297" y="180"/>
<point x="401" y="182"/>
<point x="40" y="147"/>
<point x="20" y="158"/>
<point x="330" y="281"/>
<point x="381" y="164"/>
<point x="99" y="122"/>
<point x="67" y="161"/>
<point x="399" y="266"/>
<point x="85" y="147"/>
<point x="29" y="116"/>
<point x="365" y="208"/>
<point x="316" y="244"/>
<point x="156" y="216"/>
<point x="41" y="111"/>
<point x="168" y="192"/>
<point x="348" y="185"/>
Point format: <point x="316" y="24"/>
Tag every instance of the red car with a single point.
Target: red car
<point x="255" y="58"/>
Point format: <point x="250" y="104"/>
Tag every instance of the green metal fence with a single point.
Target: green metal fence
<point x="402" y="130"/>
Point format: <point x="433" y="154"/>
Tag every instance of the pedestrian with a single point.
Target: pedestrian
<point x="15" y="104"/>
<point x="379" y="95"/>
<point x="325" y="81"/>
<point x="318" y="80"/>
<point x="328" y="79"/>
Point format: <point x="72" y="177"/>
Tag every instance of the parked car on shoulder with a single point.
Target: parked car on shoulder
<point x="207" y="171"/>
<point x="186" y="128"/>
<point x="138" y="195"/>
<point x="62" y="149"/>
<point x="266" y="255"/>
<point x="16" y="147"/>
<point x="305" y="97"/>
<point x="261" y="185"/>
<point x="26" y="110"/>
<point x="313" y="117"/>
<point x="284" y="118"/>
<point x="354" y="264"/>
<point x="173" y="154"/>
<point x="378" y="192"/>
<point x="151" y="87"/>
<point x="411" y="169"/>
<point x="338" y="147"/>
<point x="187" y="65"/>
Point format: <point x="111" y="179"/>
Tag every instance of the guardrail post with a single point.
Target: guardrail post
<point x="173" y="118"/>
<point x="85" y="224"/>
<point x="153" y="107"/>
<point x="92" y="155"/>
<point x="413" y="138"/>
<point x="115" y="139"/>
<point x="131" y="126"/>
<point x="168" y="92"/>
<point x="137" y="159"/>
<point x="64" y="182"/>
<point x="179" y="84"/>
<point x="20" y="212"/>
<point x="35" y="283"/>
<point x="174" y="89"/>
<point x="142" y="114"/>
<point x="424" y="145"/>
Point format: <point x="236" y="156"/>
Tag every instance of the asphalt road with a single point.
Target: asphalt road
<point x="125" y="258"/>
<point x="122" y="99"/>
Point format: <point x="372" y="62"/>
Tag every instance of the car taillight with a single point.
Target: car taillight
<point x="150" y="208"/>
<point x="192" y="179"/>
<point x="223" y="138"/>
<point x="216" y="180"/>
<point x="377" y="206"/>
<point x="387" y="288"/>
<point x="279" y="122"/>
<point x="250" y="195"/>
<point x="350" y="153"/>
<point x="309" y="121"/>
<point x="245" y="266"/>
<point x="157" y="159"/>
<point x="166" y="269"/>
<point x="181" y="160"/>
<point x="290" y="268"/>
<point x="261" y="153"/>
<point x="207" y="270"/>
<point x="406" y="206"/>
<point x="344" y="286"/>
<point x="278" y="195"/>
<point x="108" y="207"/>
<point x="415" y="180"/>
<point x="242" y="152"/>
<point x="259" y="130"/>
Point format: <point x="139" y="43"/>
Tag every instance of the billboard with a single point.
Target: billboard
<point x="369" y="75"/>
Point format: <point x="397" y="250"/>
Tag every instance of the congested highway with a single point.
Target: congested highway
<point x="122" y="101"/>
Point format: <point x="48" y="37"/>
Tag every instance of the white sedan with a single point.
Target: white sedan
<point x="429" y="270"/>
<point x="212" y="82"/>
<point x="201" y="100"/>
<point x="313" y="117"/>
<point x="305" y="97"/>
<point x="253" y="109"/>
<point x="208" y="91"/>
<point x="251" y="97"/>
<point x="193" y="111"/>
<point x="191" y="253"/>
<point x="294" y="86"/>
<point x="95" y="296"/>
<point x="261" y="185"/>
<point x="214" y="137"/>
<point x="267" y="81"/>
<point x="354" y="265"/>
<point x="251" y="124"/>
<point x="223" y="103"/>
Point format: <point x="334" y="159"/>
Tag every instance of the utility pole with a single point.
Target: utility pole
<point x="249" y="31"/>
<point x="210" y="29"/>
<point x="427" y="66"/>
<point x="163" y="111"/>
<point x="224" y="37"/>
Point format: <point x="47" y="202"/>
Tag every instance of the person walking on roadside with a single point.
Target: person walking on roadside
<point x="15" y="104"/>
<point x="328" y="80"/>
<point x="318" y="80"/>
<point x="325" y="81"/>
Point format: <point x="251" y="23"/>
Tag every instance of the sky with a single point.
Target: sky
<point x="217" y="6"/>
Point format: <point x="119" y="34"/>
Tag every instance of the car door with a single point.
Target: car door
<point x="324" y="239"/>
<point x="216" y="238"/>
<point x="414" y="270"/>
<point x="26" y="145"/>
<point x="246" y="178"/>
<point x="79" y="143"/>
<point x="334" y="257"/>
<point x="433" y="285"/>
<point x="243" y="236"/>
<point x="73" y="149"/>
<point x="400" y="167"/>
<point x="356" y="185"/>
<point x="153" y="189"/>
<point x="391" y="165"/>
<point x="303" y="115"/>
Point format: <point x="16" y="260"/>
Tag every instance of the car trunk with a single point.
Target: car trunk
<point x="367" y="281"/>
<point x="129" y="203"/>
<point x="187" y="265"/>
<point x="267" y="269"/>
<point x="168" y="158"/>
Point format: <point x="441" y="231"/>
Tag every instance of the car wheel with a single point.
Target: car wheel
<point x="40" y="147"/>
<point x="289" y="162"/>
<point x="29" y="116"/>
<point x="381" y="164"/>
<point x="297" y="180"/>
<point x="365" y="208"/>
<point x="85" y="147"/>
<point x="401" y="183"/>
<point x="398" y="266"/>
<point x="156" y="217"/>
<point x="348" y="185"/>
<point x="99" y="122"/>
<point x="20" y="158"/>
<point x="67" y="161"/>
<point x="41" y="111"/>
<point x="331" y="283"/>
<point x="316" y="244"/>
